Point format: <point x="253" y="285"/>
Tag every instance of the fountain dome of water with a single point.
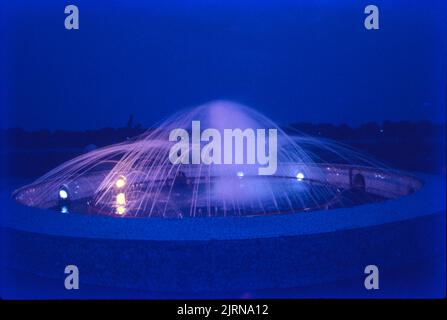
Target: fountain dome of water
<point x="137" y="178"/>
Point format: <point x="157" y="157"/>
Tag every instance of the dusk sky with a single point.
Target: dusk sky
<point x="295" y="61"/>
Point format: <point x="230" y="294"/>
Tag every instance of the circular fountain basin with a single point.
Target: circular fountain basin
<point x="237" y="254"/>
<point x="221" y="194"/>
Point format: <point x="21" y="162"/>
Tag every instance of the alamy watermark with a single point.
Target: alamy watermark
<point x="72" y="279"/>
<point x="372" y="279"/>
<point x="248" y="146"/>
<point x="371" y="21"/>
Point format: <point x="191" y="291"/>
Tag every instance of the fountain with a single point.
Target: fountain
<point x="173" y="216"/>
<point x="140" y="178"/>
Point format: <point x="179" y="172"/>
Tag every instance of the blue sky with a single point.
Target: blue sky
<point x="292" y="60"/>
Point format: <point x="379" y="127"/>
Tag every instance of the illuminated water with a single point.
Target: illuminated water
<point x="137" y="179"/>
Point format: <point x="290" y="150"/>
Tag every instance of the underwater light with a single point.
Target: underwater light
<point x="63" y="194"/>
<point x="121" y="199"/>
<point x="300" y="176"/>
<point x="240" y="174"/>
<point x="121" y="182"/>
<point x="120" y="210"/>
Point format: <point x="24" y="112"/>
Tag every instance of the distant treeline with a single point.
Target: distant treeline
<point x="373" y="130"/>
<point x="414" y="131"/>
<point x="413" y="146"/>
<point x="19" y="138"/>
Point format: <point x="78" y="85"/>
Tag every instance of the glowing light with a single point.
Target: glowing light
<point x="121" y="199"/>
<point x="63" y="194"/>
<point x="300" y="176"/>
<point x="120" y="210"/>
<point x="121" y="182"/>
<point x="240" y="174"/>
<point x="64" y="209"/>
